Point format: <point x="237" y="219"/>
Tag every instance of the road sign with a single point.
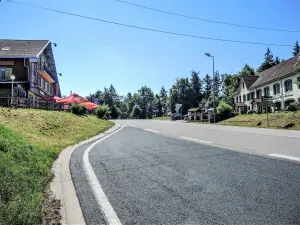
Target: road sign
<point x="267" y="101"/>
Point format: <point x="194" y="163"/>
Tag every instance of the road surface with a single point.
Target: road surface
<point x="154" y="172"/>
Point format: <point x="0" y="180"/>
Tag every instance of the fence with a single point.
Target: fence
<point x="29" y="103"/>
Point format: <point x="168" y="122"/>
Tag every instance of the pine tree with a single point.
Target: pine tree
<point x="277" y="60"/>
<point x="207" y="85"/>
<point x="217" y="83"/>
<point x="196" y="85"/>
<point x="163" y="98"/>
<point x="247" y="71"/>
<point x="296" y="49"/>
<point x="268" y="63"/>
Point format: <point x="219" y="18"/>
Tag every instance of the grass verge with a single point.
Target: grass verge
<point x="162" y="118"/>
<point x="281" y="120"/>
<point x="30" y="141"/>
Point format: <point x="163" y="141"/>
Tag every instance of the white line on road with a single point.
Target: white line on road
<point x="197" y="140"/>
<point x="286" y="157"/>
<point x="155" y="131"/>
<point x="105" y="206"/>
<point x="132" y="125"/>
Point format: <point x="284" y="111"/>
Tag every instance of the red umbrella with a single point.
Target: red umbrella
<point x="89" y="105"/>
<point x="53" y="99"/>
<point x="73" y="98"/>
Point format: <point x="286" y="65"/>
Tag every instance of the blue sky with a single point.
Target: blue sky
<point x="91" y="55"/>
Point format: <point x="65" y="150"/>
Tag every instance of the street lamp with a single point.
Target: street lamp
<point x="214" y="100"/>
<point x="12" y="77"/>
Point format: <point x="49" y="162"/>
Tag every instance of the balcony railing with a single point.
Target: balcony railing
<point x="29" y="103"/>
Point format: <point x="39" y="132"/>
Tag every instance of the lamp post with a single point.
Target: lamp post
<point x="12" y="77"/>
<point x="214" y="100"/>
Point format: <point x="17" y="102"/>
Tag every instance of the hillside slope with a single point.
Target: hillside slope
<point x="30" y="141"/>
<point x="281" y="120"/>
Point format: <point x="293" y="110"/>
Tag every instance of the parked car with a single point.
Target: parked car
<point x="177" y="116"/>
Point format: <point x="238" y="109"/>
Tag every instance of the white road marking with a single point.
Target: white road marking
<point x="285" y="157"/>
<point x="155" y="131"/>
<point x="197" y="140"/>
<point x="108" y="211"/>
<point x="132" y="125"/>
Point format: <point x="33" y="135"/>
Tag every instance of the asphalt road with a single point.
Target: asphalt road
<point x="150" y="178"/>
<point x="252" y="140"/>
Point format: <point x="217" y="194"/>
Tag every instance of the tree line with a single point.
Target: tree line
<point x="191" y="92"/>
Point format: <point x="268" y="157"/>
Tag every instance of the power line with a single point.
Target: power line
<point x="207" y="20"/>
<point x="149" y="29"/>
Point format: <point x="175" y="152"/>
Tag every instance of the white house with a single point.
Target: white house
<point x="278" y="82"/>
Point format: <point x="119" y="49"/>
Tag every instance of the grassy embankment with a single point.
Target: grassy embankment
<point x="282" y="120"/>
<point x="30" y="141"/>
<point x="162" y="118"/>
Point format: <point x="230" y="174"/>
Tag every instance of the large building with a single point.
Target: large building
<point x="279" y="82"/>
<point x="32" y="63"/>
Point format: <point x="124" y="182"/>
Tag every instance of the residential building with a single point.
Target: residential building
<point x="279" y="82"/>
<point x="32" y="63"/>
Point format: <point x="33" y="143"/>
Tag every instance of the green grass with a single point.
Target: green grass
<point x="30" y="141"/>
<point x="280" y="120"/>
<point x="162" y="118"/>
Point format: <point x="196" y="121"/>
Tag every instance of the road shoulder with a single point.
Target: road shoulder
<point x="62" y="186"/>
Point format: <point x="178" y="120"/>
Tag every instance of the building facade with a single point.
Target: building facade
<point x="32" y="63"/>
<point x="279" y="83"/>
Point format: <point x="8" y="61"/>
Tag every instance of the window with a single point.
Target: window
<point x="39" y="81"/>
<point x="244" y="98"/>
<point x="288" y="85"/>
<point x="258" y="93"/>
<point x="2" y="73"/>
<point x="5" y="73"/>
<point x="298" y="81"/>
<point x="243" y="85"/>
<point x="248" y="96"/>
<point x="240" y="99"/>
<point x="42" y="83"/>
<point x="266" y="91"/>
<point x="276" y="89"/>
<point x="237" y="99"/>
<point x="47" y="87"/>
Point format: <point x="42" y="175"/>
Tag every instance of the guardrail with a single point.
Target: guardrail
<point x="29" y="103"/>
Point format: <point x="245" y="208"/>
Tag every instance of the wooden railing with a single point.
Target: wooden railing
<point x="29" y="103"/>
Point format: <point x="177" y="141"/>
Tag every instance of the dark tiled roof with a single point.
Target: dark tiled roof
<point x="249" y="80"/>
<point x="278" y="71"/>
<point x="21" y="48"/>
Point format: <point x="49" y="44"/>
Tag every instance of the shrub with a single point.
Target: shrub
<point x="292" y="107"/>
<point x="224" y="109"/>
<point x="101" y="111"/>
<point x="79" y="109"/>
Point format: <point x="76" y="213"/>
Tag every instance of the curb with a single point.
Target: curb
<point x="62" y="186"/>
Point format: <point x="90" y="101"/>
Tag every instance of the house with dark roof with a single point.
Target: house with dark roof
<point x="279" y="83"/>
<point x="33" y="65"/>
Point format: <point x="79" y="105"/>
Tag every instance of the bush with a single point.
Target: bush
<point x="101" y="111"/>
<point x="79" y="109"/>
<point x="292" y="107"/>
<point x="224" y="109"/>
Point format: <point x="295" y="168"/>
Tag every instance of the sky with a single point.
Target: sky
<point x="92" y="55"/>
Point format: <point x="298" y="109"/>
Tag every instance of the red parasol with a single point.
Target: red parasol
<point x="73" y="98"/>
<point x="89" y="105"/>
<point x="53" y="99"/>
